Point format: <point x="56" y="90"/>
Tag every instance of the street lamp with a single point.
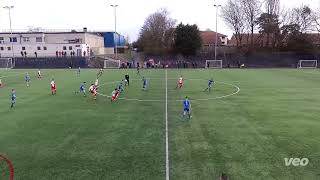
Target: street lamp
<point x="215" y="45"/>
<point x="115" y="28"/>
<point x="9" y="9"/>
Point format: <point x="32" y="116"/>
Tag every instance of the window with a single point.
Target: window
<point x="13" y="39"/>
<point x="64" y="48"/>
<point x="78" y="40"/>
<point x="38" y="48"/>
<point x="70" y="47"/>
<point x="9" y="48"/>
<point x="77" y="45"/>
<point x="1" y="40"/>
<point x="44" y="48"/>
<point x="1" y="48"/>
<point x="26" y="39"/>
<point x="23" y="48"/>
<point x="38" y="39"/>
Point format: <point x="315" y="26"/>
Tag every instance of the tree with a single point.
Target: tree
<point x="293" y="33"/>
<point x="272" y="7"/>
<point x="187" y="39"/>
<point x="299" y="43"/>
<point x="233" y="15"/>
<point x="269" y="24"/>
<point x="153" y="38"/>
<point x="316" y="20"/>
<point x="303" y="16"/>
<point x="272" y="11"/>
<point x="252" y="10"/>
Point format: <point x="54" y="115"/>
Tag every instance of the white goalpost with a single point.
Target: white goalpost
<point x="213" y="64"/>
<point x="6" y="63"/>
<point x="307" y="64"/>
<point x="112" y="64"/>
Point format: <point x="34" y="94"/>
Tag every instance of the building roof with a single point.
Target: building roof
<point x="209" y="37"/>
<point x="100" y="33"/>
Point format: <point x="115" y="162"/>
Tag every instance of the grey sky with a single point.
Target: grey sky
<point x="98" y="15"/>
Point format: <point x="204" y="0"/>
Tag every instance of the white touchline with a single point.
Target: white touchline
<point x="167" y="143"/>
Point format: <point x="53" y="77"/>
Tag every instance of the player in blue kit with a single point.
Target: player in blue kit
<point x="186" y="108"/>
<point x="79" y="71"/>
<point x="210" y="85"/>
<point x="121" y="86"/>
<point x="82" y="89"/>
<point x="13" y="98"/>
<point x="145" y="83"/>
<point x="27" y="78"/>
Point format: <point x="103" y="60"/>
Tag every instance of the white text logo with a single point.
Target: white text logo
<point x="296" y="161"/>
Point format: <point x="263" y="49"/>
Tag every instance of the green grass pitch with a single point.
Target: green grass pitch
<point x="245" y="134"/>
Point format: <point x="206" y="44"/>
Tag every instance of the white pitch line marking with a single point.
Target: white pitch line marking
<point x="167" y="142"/>
<point x="178" y="100"/>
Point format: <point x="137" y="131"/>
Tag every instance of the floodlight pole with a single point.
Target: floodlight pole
<point x="216" y="40"/>
<point x="9" y="10"/>
<point x="115" y="29"/>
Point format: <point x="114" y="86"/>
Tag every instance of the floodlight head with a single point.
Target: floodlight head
<point x="8" y="7"/>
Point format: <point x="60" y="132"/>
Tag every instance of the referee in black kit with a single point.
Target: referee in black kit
<point x="127" y="78"/>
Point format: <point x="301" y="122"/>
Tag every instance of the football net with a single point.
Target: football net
<point x="109" y="64"/>
<point x="213" y="64"/>
<point x="6" y="63"/>
<point x="308" y="64"/>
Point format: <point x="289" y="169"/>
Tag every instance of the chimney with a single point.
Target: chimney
<point x="85" y="29"/>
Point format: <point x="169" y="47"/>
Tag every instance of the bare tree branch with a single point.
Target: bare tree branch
<point x="233" y="15"/>
<point x="252" y="10"/>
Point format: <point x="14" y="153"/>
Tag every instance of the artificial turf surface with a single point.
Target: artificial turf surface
<point x="247" y="135"/>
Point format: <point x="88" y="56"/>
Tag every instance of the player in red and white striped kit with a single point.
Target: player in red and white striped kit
<point x="115" y="95"/>
<point x="180" y="83"/>
<point x="53" y="87"/>
<point x="93" y="91"/>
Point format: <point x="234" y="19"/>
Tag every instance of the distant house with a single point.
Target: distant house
<point x="259" y="40"/>
<point x="209" y="40"/>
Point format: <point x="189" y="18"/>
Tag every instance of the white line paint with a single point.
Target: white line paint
<point x="167" y="142"/>
<point x="158" y="100"/>
<point x="218" y="97"/>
